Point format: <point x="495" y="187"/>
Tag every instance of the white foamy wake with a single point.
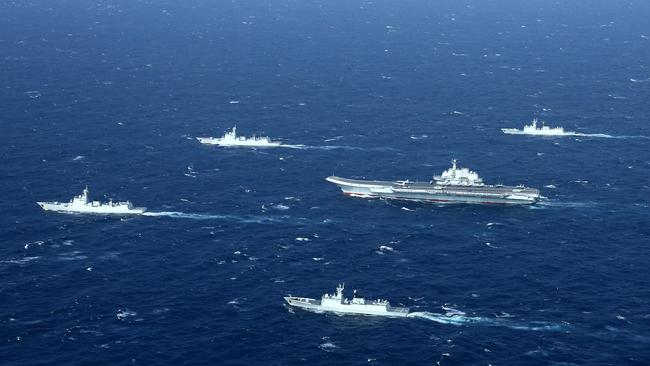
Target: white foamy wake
<point x="580" y="134"/>
<point x="602" y="135"/>
<point x="569" y="134"/>
<point x="460" y="320"/>
<point x="563" y="204"/>
<point x="336" y="147"/>
<point x="195" y="216"/>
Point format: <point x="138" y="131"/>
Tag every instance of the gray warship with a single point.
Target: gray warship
<point x="454" y="185"/>
<point x="336" y="303"/>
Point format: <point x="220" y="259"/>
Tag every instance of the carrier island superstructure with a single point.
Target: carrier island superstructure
<point x="454" y="185"/>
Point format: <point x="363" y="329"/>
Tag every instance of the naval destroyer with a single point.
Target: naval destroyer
<point x="81" y="204"/>
<point x="534" y="130"/>
<point x="455" y="185"/>
<point x="336" y="303"/>
<point x="230" y="139"/>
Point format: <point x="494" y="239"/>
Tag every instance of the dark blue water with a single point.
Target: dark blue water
<point x="111" y="95"/>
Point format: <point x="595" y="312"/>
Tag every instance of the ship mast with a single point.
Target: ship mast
<point x="339" y="290"/>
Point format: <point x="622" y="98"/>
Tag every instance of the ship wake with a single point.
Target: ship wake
<point x="462" y="320"/>
<point x="602" y="135"/>
<point x="234" y="218"/>
<point x="336" y="147"/>
<point x="563" y="204"/>
<point x="579" y="134"/>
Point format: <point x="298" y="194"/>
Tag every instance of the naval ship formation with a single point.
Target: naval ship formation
<point x="336" y="303"/>
<point x="455" y="185"/>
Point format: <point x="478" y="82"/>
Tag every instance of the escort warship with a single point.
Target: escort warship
<point x="455" y="185"/>
<point x="336" y="303"/>
<point x="230" y="139"/>
<point x="81" y="204"/>
<point x="534" y="130"/>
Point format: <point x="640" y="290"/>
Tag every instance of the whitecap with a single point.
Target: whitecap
<point x="449" y="311"/>
<point x="386" y="248"/>
<point x="328" y="347"/>
<point x="38" y="242"/>
<point x="335" y="138"/>
<point x="20" y="261"/>
<point x="302" y="239"/>
<point x="72" y="256"/>
<point x="615" y="96"/>
<point x="78" y="157"/>
<point x="123" y="314"/>
<point x="34" y="94"/>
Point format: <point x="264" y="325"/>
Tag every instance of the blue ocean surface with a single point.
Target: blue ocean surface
<point x="112" y="94"/>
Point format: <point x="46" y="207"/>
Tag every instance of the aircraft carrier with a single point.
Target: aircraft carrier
<point x="455" y="185"/>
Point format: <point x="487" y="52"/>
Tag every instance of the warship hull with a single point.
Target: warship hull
<point x="99" y="209"/>
<point x="237" y="143"/>
<point x="317" y="306"/>
<point x="514" y="131"/>
<point x="436" y="193"/>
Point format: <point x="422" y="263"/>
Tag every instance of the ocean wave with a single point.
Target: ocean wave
<point x="20" y="261"/>
<point x="328" y="346"/>
<point x="123" y="314"/>
<point x="640" y="80"/>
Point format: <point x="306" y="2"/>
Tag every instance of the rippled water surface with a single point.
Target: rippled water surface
<point x="112" y="95"/>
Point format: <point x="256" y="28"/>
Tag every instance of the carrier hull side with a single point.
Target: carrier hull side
<point x="438" y="194"/>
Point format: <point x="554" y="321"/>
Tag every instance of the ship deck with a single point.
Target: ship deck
<point x="433" y="187"/>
